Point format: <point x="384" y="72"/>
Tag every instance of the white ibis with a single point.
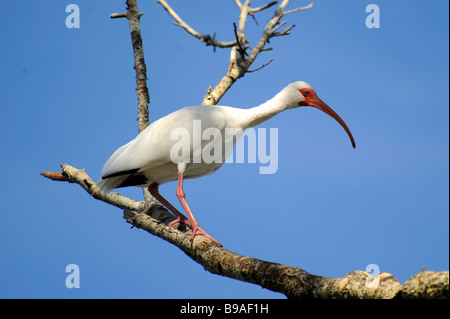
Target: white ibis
<point x="148" y="160"/>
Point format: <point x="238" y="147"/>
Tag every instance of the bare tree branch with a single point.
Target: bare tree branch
<point x="238" y="3"/>
<point x="80" y="177"/>
<point x="239" y="65"/>
<point x="134" y="17"/>
<point x="143" y="97"/>
<point x="254" y="10"/>
<point x="55" y="176"/>
<point x="245" y="11"/>
<point x="291" y="281"/>
<point x="269" y="31"/>
<point x="204" y="38"/>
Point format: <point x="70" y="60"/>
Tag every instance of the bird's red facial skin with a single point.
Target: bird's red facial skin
<point x="308" y="96"/>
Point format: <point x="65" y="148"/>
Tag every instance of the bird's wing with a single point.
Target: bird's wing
<point x="124" y="166"/>
<point x="151" y="148"/>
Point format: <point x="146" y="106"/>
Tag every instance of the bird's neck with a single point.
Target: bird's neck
<point x="267" y="110"/>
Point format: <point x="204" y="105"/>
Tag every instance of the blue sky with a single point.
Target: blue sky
<point x="68" y="97"/>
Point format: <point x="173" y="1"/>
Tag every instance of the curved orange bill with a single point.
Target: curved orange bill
<point x="319" y="104"/>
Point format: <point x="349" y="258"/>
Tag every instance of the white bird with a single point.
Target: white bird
<point x="153" y="157"/>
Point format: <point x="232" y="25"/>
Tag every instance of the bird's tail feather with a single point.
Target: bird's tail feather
<point x="106" y="185"/>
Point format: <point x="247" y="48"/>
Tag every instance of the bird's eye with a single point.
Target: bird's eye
<point x="305" y="93"/>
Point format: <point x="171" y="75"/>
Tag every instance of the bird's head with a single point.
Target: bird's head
<point x="302" y="94"/>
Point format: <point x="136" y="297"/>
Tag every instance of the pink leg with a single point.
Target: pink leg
<point x="196" y="230"/>
<point x="153" y="189"/>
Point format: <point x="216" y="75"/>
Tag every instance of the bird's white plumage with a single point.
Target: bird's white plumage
<point x="150" y="150"/>
<point x="149" y="153"/>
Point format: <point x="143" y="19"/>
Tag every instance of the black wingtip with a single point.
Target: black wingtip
<point x="121" y="173"/>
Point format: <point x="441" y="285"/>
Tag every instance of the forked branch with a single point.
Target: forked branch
<point x="239" y="62"/>
<point x="210" y="41"/>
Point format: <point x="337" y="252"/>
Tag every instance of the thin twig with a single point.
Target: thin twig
<point x="284" y="32"/>
<point x="309" y="6"/>
<point x="210" y="41"/>
<point x="55" y="176"/>
<point x="278" y="26"/>
<point x="262" y="66"/>
<point x="266" y="6"/>
<point x="240" y="46"/>
<point x="118" y="15"/>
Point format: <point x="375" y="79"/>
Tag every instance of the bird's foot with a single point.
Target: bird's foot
<point x="198" y="231"/>
<point x="181" y="220"/>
